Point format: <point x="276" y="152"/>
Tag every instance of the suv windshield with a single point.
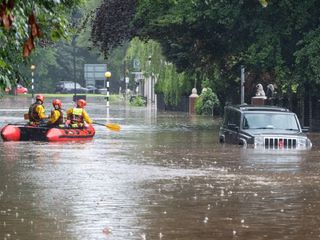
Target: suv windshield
<point x="270" y="121"/>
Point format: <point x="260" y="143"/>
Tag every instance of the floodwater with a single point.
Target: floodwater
<point x="163" y="176"/>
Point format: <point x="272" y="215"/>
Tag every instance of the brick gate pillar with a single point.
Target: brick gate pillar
<point x="192" y="101"/>
<point x="258" y="100"/>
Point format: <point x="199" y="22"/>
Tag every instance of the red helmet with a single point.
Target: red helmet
<point x="40" y="98"/>
<point x="57" y="103"/>
<point x="81" y="103"/>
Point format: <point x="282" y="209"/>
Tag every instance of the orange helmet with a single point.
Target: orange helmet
<point x="57" y="103"/>
<point x="81" y="103"/>
<point x="40" y="98"/>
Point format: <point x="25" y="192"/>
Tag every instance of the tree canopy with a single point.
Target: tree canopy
<point x="26" y="25"/>
<point x="277" y="43"/>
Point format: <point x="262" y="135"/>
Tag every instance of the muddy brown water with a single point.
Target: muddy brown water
<point x="163" y="176"/>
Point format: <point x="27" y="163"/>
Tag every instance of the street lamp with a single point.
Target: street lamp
<point x="33" y="67"/>
<point x="73" y="43"/>
<point x="108" y="76"/>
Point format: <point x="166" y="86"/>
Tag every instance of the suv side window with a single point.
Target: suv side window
<point x="232" y="118"/>
<point x="235" y="118"/>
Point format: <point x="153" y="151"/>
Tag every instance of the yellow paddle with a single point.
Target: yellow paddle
<point x="111" y="126"/>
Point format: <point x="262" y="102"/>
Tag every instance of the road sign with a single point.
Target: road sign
<point x="94" y="72"/>
<point x="136" y="64"/>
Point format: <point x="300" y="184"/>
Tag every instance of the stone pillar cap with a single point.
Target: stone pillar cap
<point x="194" y="93"/>
<point x="262" y="97"/>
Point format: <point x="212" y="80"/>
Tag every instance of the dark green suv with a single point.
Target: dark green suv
<point x="262" y="126"/>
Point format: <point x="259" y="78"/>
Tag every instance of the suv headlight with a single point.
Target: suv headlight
<point x="258" y="141"/>
<point x="301" y="142"/>
<point x="304" y="142"/>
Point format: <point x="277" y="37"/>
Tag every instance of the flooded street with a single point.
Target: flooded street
<point x="163" y="176"/>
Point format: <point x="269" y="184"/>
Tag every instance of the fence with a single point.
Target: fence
<point x="183" y="105"/>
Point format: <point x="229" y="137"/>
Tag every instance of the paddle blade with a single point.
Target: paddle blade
<point x="113" y="126"/>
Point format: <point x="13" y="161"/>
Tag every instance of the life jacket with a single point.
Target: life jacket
<point x="77" y="117"/>
<point x="33" y="115"/>
<point x="60" y="119"/>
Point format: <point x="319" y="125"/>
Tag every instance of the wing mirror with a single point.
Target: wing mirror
<point x="305" y="129"/>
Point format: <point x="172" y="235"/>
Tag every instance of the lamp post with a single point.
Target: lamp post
<point x="33" y="67"/>
<point x="108" y="76"/>
<point x="73" y="43"/>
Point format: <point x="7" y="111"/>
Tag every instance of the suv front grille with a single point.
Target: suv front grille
<point x="278" y="143"/>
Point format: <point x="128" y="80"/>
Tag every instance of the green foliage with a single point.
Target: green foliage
<point x="209" y="40"/>
<point x="206" y="102"/>
<point x="188" y="40"/>
<point x="148" y="53"/>
<point x="112" y="24"/>
<point x="308" y="58"/>
<point x="169" y="82"/>
<point x="54" y="60"/>
<point x="52" y="18"/>
<point x="172" y="84"/>
<point x="138" y="101"/>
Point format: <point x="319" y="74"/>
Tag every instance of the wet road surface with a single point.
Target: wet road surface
<point x="163" y="176"/>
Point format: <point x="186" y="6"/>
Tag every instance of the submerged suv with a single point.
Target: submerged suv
<point x="262" y="126"/>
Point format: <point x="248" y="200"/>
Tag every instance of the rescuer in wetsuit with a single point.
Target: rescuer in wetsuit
<point x="56" y="117"/>
<point x="77" y="116"/>
<point x="37" y="111"/>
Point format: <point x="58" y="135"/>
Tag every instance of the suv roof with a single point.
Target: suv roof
<point x="258" y="108"/>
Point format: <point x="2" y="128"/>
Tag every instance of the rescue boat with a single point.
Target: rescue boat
<point x="12" y="132"/>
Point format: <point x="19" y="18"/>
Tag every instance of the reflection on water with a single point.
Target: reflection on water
<point x="163" y="176"/>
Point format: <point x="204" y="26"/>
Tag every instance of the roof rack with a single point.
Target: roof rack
<point x="263" y="108"/>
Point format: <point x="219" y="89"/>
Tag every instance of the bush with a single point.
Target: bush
<point x="206" y="102"/>
<point x="138" y="101"/>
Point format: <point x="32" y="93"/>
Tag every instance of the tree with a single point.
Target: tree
<point x="206" y="102"/>
<point x="47" y="21"/>
<point x="112" y="24"/>
<point x="211" y="39"/>
<point x="170" y="83"/>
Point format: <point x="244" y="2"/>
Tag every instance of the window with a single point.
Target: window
<point x="270" y="121"/>
<point x="232" y="118"/>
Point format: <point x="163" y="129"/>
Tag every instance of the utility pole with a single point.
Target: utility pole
<point x="242" y="84"/>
